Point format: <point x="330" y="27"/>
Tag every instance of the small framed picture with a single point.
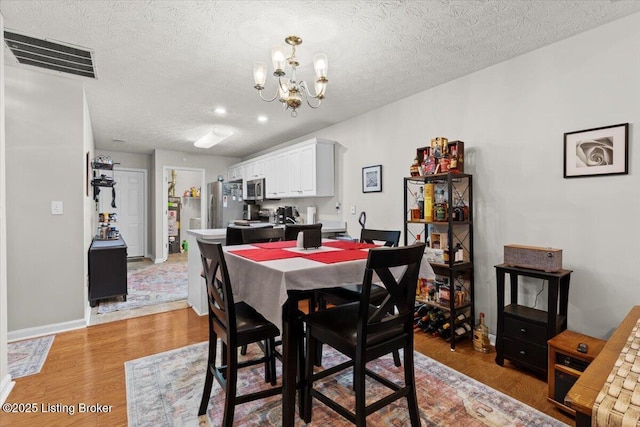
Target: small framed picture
<point x="595" y="152"/>
<point x="372" y="179"/>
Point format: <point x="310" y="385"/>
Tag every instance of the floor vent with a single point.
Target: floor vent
<point x="51" y="55"/>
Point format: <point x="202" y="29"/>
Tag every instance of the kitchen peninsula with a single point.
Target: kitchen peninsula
<point x="197" y="297"/>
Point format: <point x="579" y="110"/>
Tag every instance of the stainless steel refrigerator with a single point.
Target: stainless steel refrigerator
<point x="225" y="203"/>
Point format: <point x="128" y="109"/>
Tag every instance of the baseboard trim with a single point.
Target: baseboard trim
<point x="5" y="388"/>
<point x="197" y="312"/>
<point x="39" y="331"/>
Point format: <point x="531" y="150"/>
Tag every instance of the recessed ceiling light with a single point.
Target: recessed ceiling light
<point x="262" y="119"/>
<point x="213" y="137"/>
<point x="220" y="110"/>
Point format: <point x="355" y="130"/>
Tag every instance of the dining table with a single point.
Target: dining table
<point x="274" y="277"/>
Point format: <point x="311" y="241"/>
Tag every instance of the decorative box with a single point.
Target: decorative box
<point x="534" y="257"/>
<point x="438" y="241"/>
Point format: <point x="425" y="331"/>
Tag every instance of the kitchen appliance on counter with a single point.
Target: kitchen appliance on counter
<point x="284" y="215"/>
<point x="225" y="203"/>
<point x="250" y="211"/>
<point x="266" y="215"/>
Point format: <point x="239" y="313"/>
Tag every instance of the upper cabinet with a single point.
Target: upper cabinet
<point x="255" y="169"/>
<point x="276" y="176"/>
<point x="235" y="172"/>
<point x="302" y="170"/>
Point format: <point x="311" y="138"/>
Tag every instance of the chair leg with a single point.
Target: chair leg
<point x="271" y="361"/>
<point x="396" y="358"/>
<point x="308" y="378"/>
<point x="231" y="385"/>
<point x="410" y="382"/>
<point x="358" y="387"/>
<point x="208" y="382"/>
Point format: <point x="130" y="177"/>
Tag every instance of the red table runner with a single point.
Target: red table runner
<point x="276" y="245"/>
<point x="265" y="254"/>
<point x="346" y="245"/>
<point x="331" y="257"/>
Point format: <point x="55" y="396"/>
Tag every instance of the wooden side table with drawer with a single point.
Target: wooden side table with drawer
<point x="523" y="332"/>
<point x="566" y="363"/>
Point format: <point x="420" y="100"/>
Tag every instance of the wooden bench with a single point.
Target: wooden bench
<point x="582" y="396"/>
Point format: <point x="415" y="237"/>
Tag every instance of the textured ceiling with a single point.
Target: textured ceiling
<point x="163" y="66"/>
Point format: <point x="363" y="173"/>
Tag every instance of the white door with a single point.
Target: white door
<point x="130" y="197"/>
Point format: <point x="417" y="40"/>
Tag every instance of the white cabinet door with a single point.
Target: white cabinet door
<point x="294" y="168"/>
<point x="234" y="172"/>
<point x="308" y="170"/>
<point x="276" y="176"/>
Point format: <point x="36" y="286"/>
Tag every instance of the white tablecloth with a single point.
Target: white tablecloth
<point x="264" y="285"/>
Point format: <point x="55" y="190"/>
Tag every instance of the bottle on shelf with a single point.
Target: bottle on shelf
<point x="420" y="201"/>
<point x="481" y="336"/>
<point x="428" y="201"/>
<point x="440" y="206"/>
<point x="463" y="329"/>
<point x="453" y="158"/>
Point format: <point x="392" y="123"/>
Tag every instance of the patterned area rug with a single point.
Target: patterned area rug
<point x="165" y="390"/>
<point x="27" y="357"/>
<point x="150" y="284"/>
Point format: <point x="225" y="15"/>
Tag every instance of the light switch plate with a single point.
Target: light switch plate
<point x="353" y="210"/>
<point x="57" y="207"/>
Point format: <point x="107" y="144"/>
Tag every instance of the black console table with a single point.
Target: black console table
<point x="107" y="269"/>
<point x="523" y="332"/>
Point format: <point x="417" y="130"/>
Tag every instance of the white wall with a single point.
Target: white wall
<point x="46" y="145"/>
<point x="512" y="118"/>
<point x="5" y="379"/>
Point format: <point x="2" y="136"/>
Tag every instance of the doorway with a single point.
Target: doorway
<point x="190" y="206"/>
<point x="131" y="207"/>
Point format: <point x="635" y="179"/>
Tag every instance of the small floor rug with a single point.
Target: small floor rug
<point x="165" y="390"/>
<point x="27" y="357"/>
<point x="150" y="284"/>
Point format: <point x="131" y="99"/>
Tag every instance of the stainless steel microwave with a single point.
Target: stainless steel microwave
<point x="255" y="189"/>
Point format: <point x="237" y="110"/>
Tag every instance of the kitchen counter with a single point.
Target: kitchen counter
<point x="220" y="233"/>
<point x="196" y="293"/>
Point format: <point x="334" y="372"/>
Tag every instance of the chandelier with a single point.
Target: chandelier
<point x="290" y="91"/>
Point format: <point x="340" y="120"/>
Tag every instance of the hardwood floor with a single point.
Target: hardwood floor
<point x="87" y="367"/>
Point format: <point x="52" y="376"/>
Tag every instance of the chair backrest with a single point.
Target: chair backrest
<point x="395" y="313"/>
<point x="222" y="316"/>
<point x="389" y="237"/>
<point x="291" y="230"/>
<point x="262" y="235"/>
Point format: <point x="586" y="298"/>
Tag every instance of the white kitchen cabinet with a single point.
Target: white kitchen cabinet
<point x="255" y="169"/>
<point x="235" y="172"/>
<point x="302" y="170"/>
<point x="309" y="169"/>
<point x="276" y="176"/>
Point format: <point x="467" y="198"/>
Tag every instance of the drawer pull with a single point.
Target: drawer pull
<point x="523" y="353"/>
<point x="523" y="330"/>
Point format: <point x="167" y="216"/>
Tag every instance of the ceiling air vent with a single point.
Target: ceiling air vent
<point x="51" y="55"/>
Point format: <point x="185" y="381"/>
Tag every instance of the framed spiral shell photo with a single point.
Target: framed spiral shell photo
<point x="597" y="152"/>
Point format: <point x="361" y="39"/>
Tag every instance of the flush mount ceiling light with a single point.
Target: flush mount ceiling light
<point x="291" y="91"/>
<point x="213" y="137"/>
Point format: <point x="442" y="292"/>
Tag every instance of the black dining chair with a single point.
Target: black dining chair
<point x="236" y="325"/>
<point x="291" y="230"/>
<point x="351" y="292"/>
<point x="262" y="235"/>
<point x="364" y="332"/>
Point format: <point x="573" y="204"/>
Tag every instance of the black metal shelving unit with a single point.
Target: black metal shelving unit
<point x="459" y="231"/>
